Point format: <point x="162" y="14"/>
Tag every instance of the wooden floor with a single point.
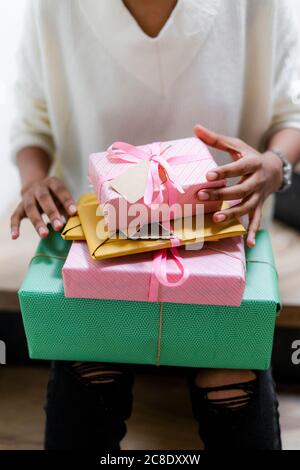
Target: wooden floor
<point x="161" y="419"/>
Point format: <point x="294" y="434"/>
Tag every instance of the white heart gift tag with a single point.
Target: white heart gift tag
<point x="132" y="183"/>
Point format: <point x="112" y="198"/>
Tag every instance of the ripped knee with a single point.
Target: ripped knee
<point x="226" y="389"/>
<point x="96" y="373"/>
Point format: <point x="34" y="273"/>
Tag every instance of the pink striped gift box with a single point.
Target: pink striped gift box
<point x="190" y="176"/>
<point x="216" y="275"/>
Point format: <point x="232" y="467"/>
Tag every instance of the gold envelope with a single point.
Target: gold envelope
<point x="102" y="247"/>
<point x="73" y="229"/>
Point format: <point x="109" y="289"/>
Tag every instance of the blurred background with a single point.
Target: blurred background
<point x="11" y="16"/>
<point x="22" y="384"/>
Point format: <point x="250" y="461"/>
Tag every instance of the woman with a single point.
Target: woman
<point x="95" y="71"/>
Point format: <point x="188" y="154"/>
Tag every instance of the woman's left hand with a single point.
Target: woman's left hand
<point x="260" y="175"/>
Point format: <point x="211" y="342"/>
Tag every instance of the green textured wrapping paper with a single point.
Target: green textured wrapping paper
<point x="149" y="333"/>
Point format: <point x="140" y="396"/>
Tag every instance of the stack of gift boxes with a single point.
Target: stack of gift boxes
<point x="164" y="287"/>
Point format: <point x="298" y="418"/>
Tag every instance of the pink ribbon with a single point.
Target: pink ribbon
<point x="159" y="270"/>
<point x="121" y="152"/>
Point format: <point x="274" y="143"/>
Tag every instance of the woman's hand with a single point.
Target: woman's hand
<point x="45" y="196"/>
<point x="260" y="175"/>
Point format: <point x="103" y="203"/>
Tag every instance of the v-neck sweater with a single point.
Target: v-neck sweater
<point x="88" y="76"/>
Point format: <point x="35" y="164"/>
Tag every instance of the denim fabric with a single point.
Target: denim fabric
<point x="86" y="416"/>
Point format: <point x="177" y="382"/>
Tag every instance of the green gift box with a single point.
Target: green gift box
<point x="58" y="328"/>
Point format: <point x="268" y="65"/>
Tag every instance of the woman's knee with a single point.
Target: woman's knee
<point x="226" y="388"/>
<point x="87" y="405"/>
<point x="97" y="373"/>
<point x="219" y="377"/>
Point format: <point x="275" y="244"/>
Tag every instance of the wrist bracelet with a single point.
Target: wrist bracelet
<point x="287" y="169"/>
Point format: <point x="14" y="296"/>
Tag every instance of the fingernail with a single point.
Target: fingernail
<point x="220" y="217"/>
<point x="72" y="209"/>
<point x="57" y="224"/>
<point x="14" y="234"/>
<point x="212" y="176"/>
<point x="43" y="232"/>
<point x="203" y="196"/>
<point x="251" y="242"/>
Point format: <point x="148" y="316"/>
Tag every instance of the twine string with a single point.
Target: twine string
<point x="225" y="253"/>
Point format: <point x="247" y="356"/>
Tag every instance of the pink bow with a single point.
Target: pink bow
<point x="121" y="152"/>
<point x="159" y="271"/>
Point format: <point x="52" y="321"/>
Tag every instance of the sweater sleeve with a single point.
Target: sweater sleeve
<point x="286" y="90"/>
<point x="31" y="125"/>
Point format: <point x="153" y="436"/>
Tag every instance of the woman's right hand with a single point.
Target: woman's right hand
<point x="45" y="196"/>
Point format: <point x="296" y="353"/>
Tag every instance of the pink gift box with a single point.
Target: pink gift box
<point x="216" y="275"/>
<point x="191" y="176"/>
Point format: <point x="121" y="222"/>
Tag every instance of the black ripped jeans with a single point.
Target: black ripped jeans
<point x="87" y="410"/>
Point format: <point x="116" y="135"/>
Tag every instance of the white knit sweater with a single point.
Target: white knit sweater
<point x="88" y="76"/>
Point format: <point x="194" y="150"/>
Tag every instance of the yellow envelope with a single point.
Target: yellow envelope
<point x="102" y="247"/>
<point x="73" y="229"/>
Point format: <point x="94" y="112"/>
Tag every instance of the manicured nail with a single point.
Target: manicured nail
<point x="220" y="217"/>
<point x="57" y="224"/>
<point x="212" y="176"/>
<point x="43" y="232"/>
<point x="251" y="242"/>
<point x="72" y="209"/>
<point x="63" y="220"/>
<point x="203" y="196"/>
<point x="14" y="234"/>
